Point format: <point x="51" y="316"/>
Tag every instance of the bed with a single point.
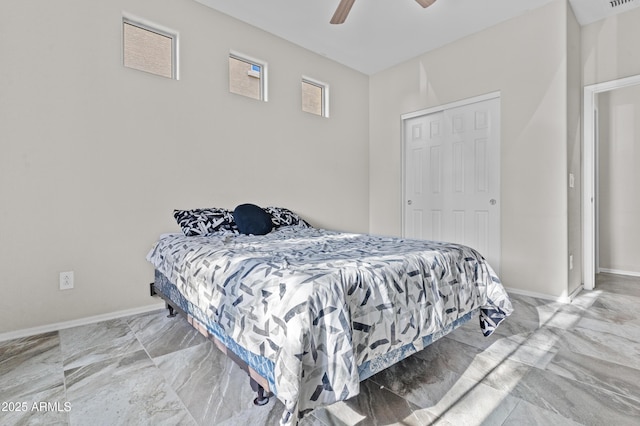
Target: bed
<point x="309" y="313"/>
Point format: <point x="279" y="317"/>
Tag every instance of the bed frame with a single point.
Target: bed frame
<point x="258" y="383"/>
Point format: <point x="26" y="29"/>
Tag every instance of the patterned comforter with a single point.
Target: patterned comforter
<point x="318" y="305"/>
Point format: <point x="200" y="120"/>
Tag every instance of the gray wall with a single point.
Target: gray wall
<point x="610" y="52"/>
<point x="94" y="156"/>
<point x="531" y="74"/>
<point x="574" y="151"/>
<point x="610" y="48"/>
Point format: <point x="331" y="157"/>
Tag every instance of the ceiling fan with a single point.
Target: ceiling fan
<point x="345" y="6"/>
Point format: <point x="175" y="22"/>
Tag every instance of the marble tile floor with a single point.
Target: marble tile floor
<point x="548" y="364"/>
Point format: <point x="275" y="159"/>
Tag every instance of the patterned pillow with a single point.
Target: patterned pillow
<point x="204" y="221"/>
<point x="285" y="217"/>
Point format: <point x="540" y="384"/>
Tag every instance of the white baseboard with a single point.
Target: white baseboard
<point x="619" y="272"/>
<point x="561" y="299"/>
<point x="78" y="322"/>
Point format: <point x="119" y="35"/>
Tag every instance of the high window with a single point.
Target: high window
<point x="247" y="76"/>
<point x="315" y="97"/>
<point x="150" y="49"/>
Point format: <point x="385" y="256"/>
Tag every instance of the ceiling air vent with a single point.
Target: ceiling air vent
<point x="616" y="3"/>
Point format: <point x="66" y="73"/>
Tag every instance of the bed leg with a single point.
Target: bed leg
<point x="262" y="399"/>
<point x="172" y="312"/>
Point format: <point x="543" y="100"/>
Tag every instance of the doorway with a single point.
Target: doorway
<point x="451" y="175"/>
<point x="589" y="168"/>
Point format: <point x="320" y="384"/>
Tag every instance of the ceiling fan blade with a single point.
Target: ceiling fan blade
<point x="426" y="3"/>
<point x="342" y="11"/>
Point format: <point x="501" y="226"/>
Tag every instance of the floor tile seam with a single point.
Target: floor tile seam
<point x="111" y="356"/>
<point x="184" y="405"/>
<point x="108" y="353"/>
<point x="61" y="367"/>
<point x="513" y="410"/>
<point x="560" y="331"/>
<point x="520" y="401"/>
<point x="161" y="373"/>
<point x="501" y="361"/>
<point x="64" y="378"/>
<point x="317" y="419"/>
<point x="144" y="348"/>
<point x="164" y="377"/>
<point x="553" y="349"/>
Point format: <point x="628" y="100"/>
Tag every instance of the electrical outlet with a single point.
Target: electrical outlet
<point x="66" y="280"/>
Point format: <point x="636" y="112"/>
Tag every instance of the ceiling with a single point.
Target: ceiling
<point x="381" y="33"/>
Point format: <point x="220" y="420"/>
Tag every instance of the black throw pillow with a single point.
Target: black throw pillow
<point x="252" y="219"/>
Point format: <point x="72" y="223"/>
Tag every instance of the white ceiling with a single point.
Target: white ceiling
<point x="381" y="33"/>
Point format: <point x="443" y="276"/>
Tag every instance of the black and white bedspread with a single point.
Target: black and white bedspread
<point x="316" y="310"/>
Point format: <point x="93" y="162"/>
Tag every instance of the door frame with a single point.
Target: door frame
<point x="432" y="110"/>
<point x="589" y="172"/>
